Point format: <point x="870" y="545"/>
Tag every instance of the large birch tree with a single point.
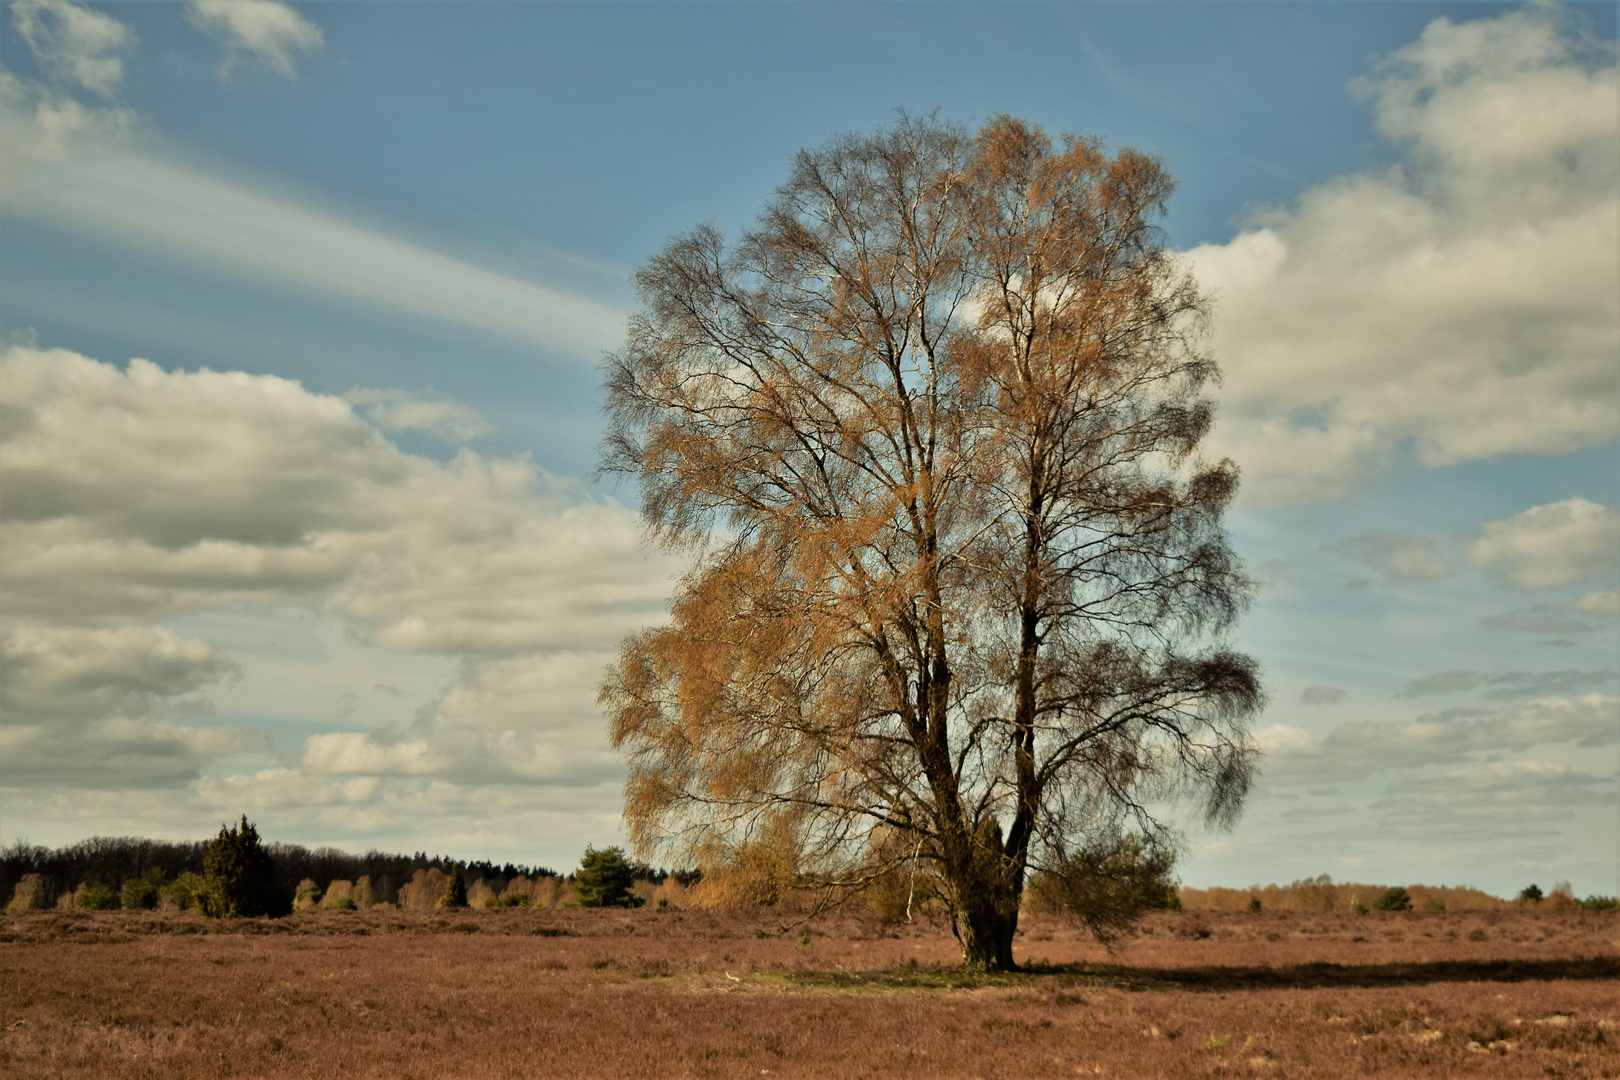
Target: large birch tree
<point x="960" y="586"/>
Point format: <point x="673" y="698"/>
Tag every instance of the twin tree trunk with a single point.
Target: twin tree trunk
<point x="930" y="429"/>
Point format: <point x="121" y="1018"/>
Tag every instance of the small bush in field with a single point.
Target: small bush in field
<point x="364" y="895"/>
<point x="455" y="890"/>
<point x="238" y="877"/>
<point x="1600" y="903"/>
<point x="29" y="895"/>
<point x="142" y="892"/>
<point x="605" y="879"/>
<point x="1254" y="904"/>
<point x="510" y="898"/>
<point x="339" y="896"/>
<point x="1437" y="905"/>
<point x="1396" y="899"/>
<point x="1530" y="894"/>
<point x="422" y="892"/>
<point x="94" y="896"/>
<point x="1110" y="886"/>
<point x="307" y="895"/>
<point x="182" y="892"/>
<point x="1359" y="908"/>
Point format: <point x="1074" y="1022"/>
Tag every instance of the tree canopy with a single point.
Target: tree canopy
<point x="929" y="431"/>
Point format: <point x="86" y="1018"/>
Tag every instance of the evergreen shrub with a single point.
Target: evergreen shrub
<point x="239" y="879"/>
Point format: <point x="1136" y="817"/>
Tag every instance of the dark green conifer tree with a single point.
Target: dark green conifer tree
<point x="455" y="890"/>
<point x="604" y="879"/>
<point x="238" y="877"/>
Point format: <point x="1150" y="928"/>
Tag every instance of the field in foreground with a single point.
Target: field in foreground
<point x="516" y="993"/>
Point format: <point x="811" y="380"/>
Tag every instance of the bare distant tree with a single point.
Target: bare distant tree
<point x="930" y="432"/>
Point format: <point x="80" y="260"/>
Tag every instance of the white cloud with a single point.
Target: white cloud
<point x="140" y="495"/>
<point x="85" y="169"/>
<point x="72" y="44"/>
<point x="1514" y="791"/>
<point x="1465" y="302"/>
<point x="1606" y="602"/>
<point x="117" y="752"/>
<point x="1359" y="749"/>
<point x="265" y="30"/>
<point x="282" y="786"/>
<point x="51" y="672"/>
<point x="1552" y="545"/>
<point x="448" y="421"/>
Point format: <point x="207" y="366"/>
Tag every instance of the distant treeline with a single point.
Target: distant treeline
<point x="114" y="860"/>
<point x="1324" y="894"/>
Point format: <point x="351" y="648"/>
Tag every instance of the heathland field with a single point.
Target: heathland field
<point x="701" y="993"/>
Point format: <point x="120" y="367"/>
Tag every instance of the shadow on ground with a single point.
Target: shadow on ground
<point x="1223" y="979"/>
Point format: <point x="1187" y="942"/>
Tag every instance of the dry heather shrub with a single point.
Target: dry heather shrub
<point x="307" y="896"/>
<point x="364" y="895"/>
<point x="339" y="895"/>
<point x="29" y="895"/>
<point x="64" y="900"/>
<point x="1562" y="898"/>
<point x="422" y="892"/>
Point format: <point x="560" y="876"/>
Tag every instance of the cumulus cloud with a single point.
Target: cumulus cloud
<point x="1464" y="303"/>
<point x="448" y="421"/>
<point x="1363" y="748"/>
<point x="74" y="45"/>
<point x="55" y="672"/>
<point x="1552" y="545"/>
<point x="117" y="752"/>
<point x="265" y="31"/>
<point x="140" y="494"/>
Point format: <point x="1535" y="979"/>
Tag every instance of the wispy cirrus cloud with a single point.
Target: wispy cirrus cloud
<point x="265" y="32"/>
<point x="449" y="421"/>
<point x="97" y="170"/>
<point x="1509" y="684"/>
<point x="74" y="45"/>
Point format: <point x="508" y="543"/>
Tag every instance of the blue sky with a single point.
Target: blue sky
<point x="329" y="553"/>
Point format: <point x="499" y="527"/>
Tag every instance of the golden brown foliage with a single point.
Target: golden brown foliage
<point x="29" y="895"/>
<point x="931" y="429"/>
<point x="423" y="891"/>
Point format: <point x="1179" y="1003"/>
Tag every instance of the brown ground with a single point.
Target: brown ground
<point x="514" y="993"/>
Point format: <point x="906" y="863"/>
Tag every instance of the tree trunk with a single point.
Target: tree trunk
<point x="986" y="888"/>
<point x="985" y="932"/>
